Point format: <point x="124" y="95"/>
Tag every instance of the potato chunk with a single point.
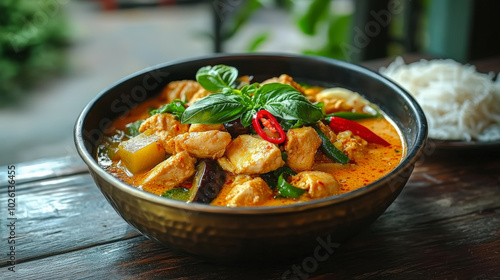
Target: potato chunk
<point x="141" y="152"/>
<point x="249" y="193"/>
<point x="251" y="155"/>
<point x="318" y="184"/>
<point x="172" y="171"/>
<point x="207" y="144"/>
<point x="301" y="146"/>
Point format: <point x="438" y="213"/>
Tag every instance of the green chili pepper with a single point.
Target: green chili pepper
<point x="271" y="178"/>
<point x="177" y="193"/>
<point x="288" y="190"/>
<point x="350" y="116"/>
<point x="284" y="156"/>
<point x="329" y="149"/>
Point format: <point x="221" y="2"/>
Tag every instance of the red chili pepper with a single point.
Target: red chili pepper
<point x="268" y="120"/>
<point x="340" y="124"/>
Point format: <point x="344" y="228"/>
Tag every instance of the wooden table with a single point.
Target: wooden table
<point x="444" y="225"/>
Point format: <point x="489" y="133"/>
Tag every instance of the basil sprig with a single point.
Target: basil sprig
<point x="216" y="78"/>
<point x="176" y="108"/>
<point x="215" y="109"/>
<point x="229" y="103"/>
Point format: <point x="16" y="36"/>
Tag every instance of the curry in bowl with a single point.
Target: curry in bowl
<point x="228" y="140"/>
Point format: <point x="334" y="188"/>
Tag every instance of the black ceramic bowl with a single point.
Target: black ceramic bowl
<point x="231" y="234"/>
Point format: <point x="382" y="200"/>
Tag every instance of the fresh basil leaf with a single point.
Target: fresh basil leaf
<point x="249" y="90"/>
<point x="245" y="94"/>
<point x="286" y="102"/>
<point x="299" y="123"/>
<point x="287" y="124"/>
<point x="215" y="109"/>
<point x="320" y="105"/>
<point x="133" y="128"/>
<point x="216" y="78"/>
<point x="246" y="118"/>
<point x="176" y="108"/>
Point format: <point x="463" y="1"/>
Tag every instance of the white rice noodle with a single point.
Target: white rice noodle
<point x="459" y="102"/>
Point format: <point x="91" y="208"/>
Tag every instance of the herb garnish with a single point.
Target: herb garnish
<point x="133" y="128"/>
<point x="176" y="108"/>
<point x="229" y="103"/>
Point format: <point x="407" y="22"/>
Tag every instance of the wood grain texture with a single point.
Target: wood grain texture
<point x="445" y="225"/>
<point x="61" y="215"/>
<point x="44" y="169"/>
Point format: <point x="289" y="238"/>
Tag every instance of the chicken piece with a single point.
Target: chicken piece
<point x="301" y="146"/>
<point x="327" y="131"/>
<point x="165" y="126"/>
<point x="206" y="144"/>
<point x="172" y="171"/>
<point x="341" y="99"/>
<point x="318" y="184"/>
<point x="244" y="81"/>
<point x="286" y="80"/>
<point x="183" y="90"/>
<point x="352" y="145"/>
<point x="199" y="95"/>
<point x="311" y="92"/>
<point x="251" y="155"/>
<point x="197" y="127"/>
<point x="248" y="192"/>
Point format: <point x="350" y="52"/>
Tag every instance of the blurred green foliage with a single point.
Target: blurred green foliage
<point x="315" y="13"/>
<point x="33" y="34"/>
<point x="315" y="20"/>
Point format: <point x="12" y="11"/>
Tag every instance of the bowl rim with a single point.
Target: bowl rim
<point x="407" y="161"/>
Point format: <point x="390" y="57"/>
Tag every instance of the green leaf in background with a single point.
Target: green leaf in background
<point x="314" y="14"/>
<point x="216" y="78"/>
<point x="241" y="17"/>
<point x="258" y="41"/>
<point x="30" y="51"/>
<point x="339" y="30"/>
<point x="215" y="109"/>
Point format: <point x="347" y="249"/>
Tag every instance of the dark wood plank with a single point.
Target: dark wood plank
<point x="61" y="215"/>
<point x="445" y="224"/>
<point x="139" y="258"/>
<point x="44" y="169"/>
